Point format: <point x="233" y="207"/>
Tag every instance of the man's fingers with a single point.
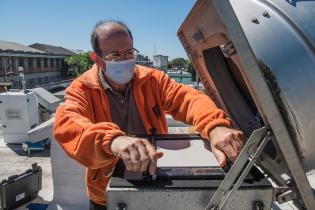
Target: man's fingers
<point x="220" y="156"/>
<point x="238" y="142"/>
<point x="152" y="166"/>
<point x="237" y="145"/>
<point x="124" y="155"/>
<point x="229" y="151"/>
<point x="154" y="155"/>
<point x="135" y="158"/>
<point x="144" y="157"/>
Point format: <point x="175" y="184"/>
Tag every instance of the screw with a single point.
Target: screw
<point x="255" y="20"/>
<point x="266" y="14"/>
<point x="289" y="182"/>
<point x="121" y="206"/>
<point x="258" y="205"/>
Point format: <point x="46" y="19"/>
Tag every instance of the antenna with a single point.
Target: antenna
<point x="21" y="74"/>
<point x="154" y="51"/>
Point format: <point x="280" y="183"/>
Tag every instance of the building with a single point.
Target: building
<point x="40" y="66"/>
<point x="76" y="51"/>
<point x="160" y="62"/>
<point x="50" y="49"/>
<point x="145" y="63"/>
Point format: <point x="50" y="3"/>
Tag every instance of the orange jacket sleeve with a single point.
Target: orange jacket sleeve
<point x="83" y="140"/>
<point x="191" y="106"/>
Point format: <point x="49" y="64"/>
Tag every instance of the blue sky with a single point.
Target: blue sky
<point x="68" y="23"/>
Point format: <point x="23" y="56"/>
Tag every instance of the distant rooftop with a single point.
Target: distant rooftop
<point x="76" y="51"/>
<point x="13" y="46"/>
<point x="160" y="56"/>
<point x="52" y="49"/>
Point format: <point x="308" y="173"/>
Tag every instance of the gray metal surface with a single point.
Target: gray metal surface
<point x="284" y="91"/>
<point x="240" y="169"/>
<point x="47" y="99"/>
<point x="180" y="199"/>
<point x="42" y="131"/>
<point x="284" y="43"/>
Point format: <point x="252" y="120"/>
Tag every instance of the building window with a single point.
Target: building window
<point x="11" y="64"/>
<point x="59" y="63"/>
<point x="32" y="83"/>
<point x="21" y="62"/>
<point x="39" y="81"/>
<point x="38" y="63"/>
<point x="1" y="63"/>
<point x="30" y="63"/>
<point x="1" y="66"/>
<point x="45" y="62"/>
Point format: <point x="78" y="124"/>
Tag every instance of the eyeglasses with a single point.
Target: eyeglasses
<point x="129" y="54"/>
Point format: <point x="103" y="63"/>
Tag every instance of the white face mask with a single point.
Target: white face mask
<point x="121" y="72"/>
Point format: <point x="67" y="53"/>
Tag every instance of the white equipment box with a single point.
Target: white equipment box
<point x="18" y="115"/>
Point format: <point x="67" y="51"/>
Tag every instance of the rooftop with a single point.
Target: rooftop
<point x="51" y="49"/>
<point x="13" y="46"/>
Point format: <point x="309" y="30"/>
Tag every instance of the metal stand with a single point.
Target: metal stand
<point x="239" y="170"/>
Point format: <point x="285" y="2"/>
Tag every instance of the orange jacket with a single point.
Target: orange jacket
<point x="84" y="128"/>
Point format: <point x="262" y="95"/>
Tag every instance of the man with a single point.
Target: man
<point x="116" y="99"/>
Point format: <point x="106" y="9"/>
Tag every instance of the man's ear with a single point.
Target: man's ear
<point x="96" y="59"/>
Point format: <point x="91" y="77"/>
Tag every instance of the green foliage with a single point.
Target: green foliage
<point x="178" y="63"/>
<point x="141" y="57"/>
<point x="79" y="62"/>
<point x="191" y="70"/>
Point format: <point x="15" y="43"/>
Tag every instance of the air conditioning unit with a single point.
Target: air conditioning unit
<point x="18" y="115"/>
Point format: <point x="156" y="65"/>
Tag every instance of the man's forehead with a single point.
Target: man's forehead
<point x="112" y="31"/>
<point x="114" y="38"/>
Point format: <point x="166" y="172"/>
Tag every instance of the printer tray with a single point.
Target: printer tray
<point x="19" y="189"/>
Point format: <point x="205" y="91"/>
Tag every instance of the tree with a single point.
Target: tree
<point x="178" y="63"/>
<point x="191" y="70"/>
<point x="141" y="57"/>
<point x="81" y="62"/>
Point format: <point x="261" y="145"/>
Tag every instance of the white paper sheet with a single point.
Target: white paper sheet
<point x="185" y="153"/>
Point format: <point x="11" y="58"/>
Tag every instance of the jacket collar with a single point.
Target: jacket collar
<point x="91" y="77"/>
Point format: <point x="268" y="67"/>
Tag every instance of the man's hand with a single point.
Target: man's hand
<point x="226" y="142"/>
<point x="136" y="153"/>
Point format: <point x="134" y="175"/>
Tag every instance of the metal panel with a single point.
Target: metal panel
<point x="282" y="42"/>
<point x="184" y="198"/>
<point x="282" y="51"/>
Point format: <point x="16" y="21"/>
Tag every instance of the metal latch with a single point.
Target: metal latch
<point x="228" y="49"/>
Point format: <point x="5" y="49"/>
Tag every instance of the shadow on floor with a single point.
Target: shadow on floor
<point x="17" y="149"/>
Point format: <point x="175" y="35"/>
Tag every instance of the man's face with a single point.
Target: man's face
<point x="115" y="44"/>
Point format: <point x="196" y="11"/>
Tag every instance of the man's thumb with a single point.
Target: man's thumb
<point x="220" y="157"/>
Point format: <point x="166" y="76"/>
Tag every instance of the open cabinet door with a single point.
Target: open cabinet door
<point x="256" y="60"/>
